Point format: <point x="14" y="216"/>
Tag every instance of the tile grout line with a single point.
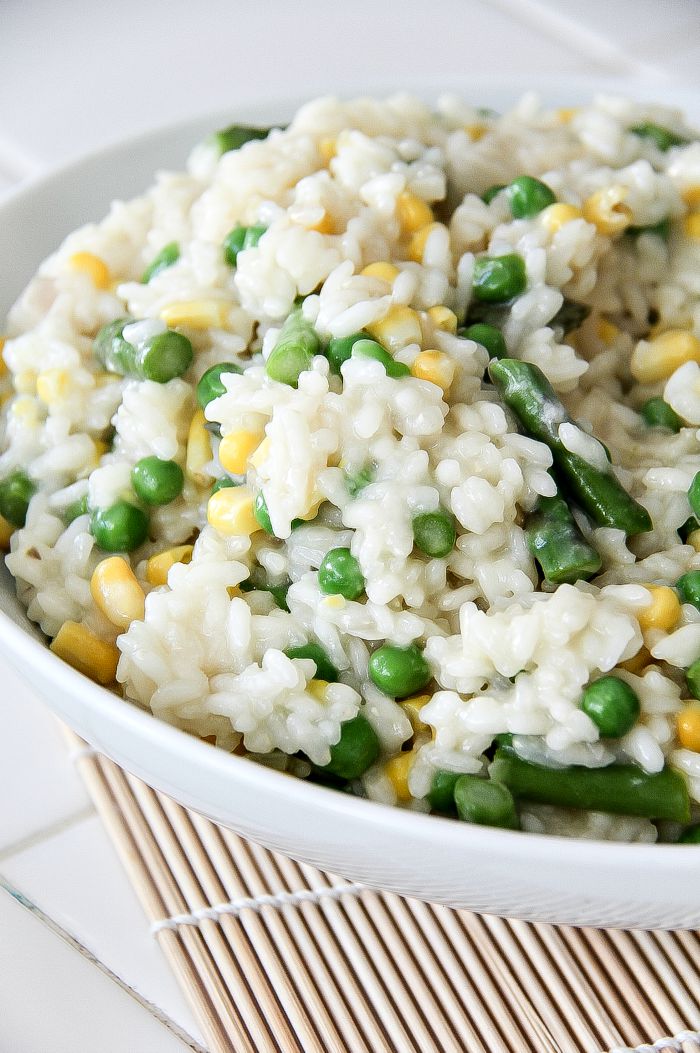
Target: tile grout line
<point x="46" y="832"/>
<point x="88" y="955"/>
<point x="561" y="27"/>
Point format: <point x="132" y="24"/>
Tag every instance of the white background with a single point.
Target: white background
<point x="78" y="970"/>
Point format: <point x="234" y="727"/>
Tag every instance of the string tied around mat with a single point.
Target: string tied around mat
<point x="663" y="1045"/>
<point x="277" y="900"/>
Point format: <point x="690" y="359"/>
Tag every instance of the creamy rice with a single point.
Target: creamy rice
<point x="345" y="186"/>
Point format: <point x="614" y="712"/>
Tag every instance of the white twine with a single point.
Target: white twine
<point x="255" y="903"/>
<point x="663" y="1044"/>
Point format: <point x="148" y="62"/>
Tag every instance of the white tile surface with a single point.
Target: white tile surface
<point x="75" y="877"/>
<point x="52" y="998"/>
<point x="139" y="64"/>
<point x="38" y="786"/>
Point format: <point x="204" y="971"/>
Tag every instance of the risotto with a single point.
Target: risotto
<point x="368" y="448"/>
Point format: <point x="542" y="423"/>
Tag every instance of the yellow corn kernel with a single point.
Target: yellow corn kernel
<point x="3" y="363"/>
<point x="25" y="382"/>
<point x="399" y="326"/>
<point x="435" y="366"/>
<point x="86" y="652"/>
<point x="607" y="211"/>
<point x="197" y="314"/>
<point x="663" y="611"/>
<point x="95" y="268"/>
<point x="116" y="592"/>
<point x="53" y="385"/>
<point x="691" y="195"/>
<point x="566" y="114"/>
<point x="158" y="566"/>
<point x="694" y="540"/>
<point x="382" y="269"/>
<point x="688" y="727"/>
<point x="318" y="689"/>
<point x="638" y="661"/>
<point x="606" y="331"/>
<point x="6" y="532"/>
<point x="198" y="449"/>
<point x="230" y="511"/>
<point x="555" y="216"/>
<point x="261" y="453"/>
<point x="396" y="770"/>
<point x="443" y="318"/>
<point x="657" y="359"/>
<point x="412" y="212"/>
<point x="235" y="449"/>
<point x="327" y="150"/>
<point x="691" y="226"/>
<point x="412" y="708"/>
<point x="24" y="409"/>
<point x="416" y="246"/>
<point x="324" y="225"/>
<point x="476" y="131"/>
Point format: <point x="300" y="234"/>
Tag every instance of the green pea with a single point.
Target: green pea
<point x="686" y="529"/>
<point x="662" y="138"/>
<point x="236" y="135"/>
<point x="612" y="705"/>
<point x="167" y="256"/>
<point x="488" y="336"/>
<point x="485" y="802"/>
<point x="527" y="196"/>
<point x="690" y="836"/>
<point x="157" y="482"/>
<point x="340" y="574"/>
<point x="261" y="513"/>
<point x="120" y="528"/>
<point x="222" y="483"/>
<point x="325" y="670"/>
<point x="694" y="495"/>
<point x="442" y="788"/>
<point x="658" y="414"/>
<point x="499" y="278"/>
<point x="371" y="349"/>
<point x="356" y="750"/>
<point x="76" y="509"/>
<point x="399" y="671"/>
<point x="16" y="491"/>
<point x="434" y="533"/>
<point x="339" y="349"/>
<point x="692" y="679"/>
<point x="241" y="238"/>
<point x="359" y="480"/>
<point x="488" y="195"/>
<point x="688" y="587"/>
<point x="165" y="356"/>
<point x="210" y="385"/>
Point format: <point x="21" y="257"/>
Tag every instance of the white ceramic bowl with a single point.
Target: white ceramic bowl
<point x="524" y="875"/>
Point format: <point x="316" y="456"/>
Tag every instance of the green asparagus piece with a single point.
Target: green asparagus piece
<point x="293" y="353"/>
<point x="558" y="545"/>
<point x="623" y="789"/>
<point x="236" y="135"/>
<point x="528" y="393"/>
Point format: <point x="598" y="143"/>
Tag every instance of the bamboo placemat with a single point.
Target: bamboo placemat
<point x="275" y="956"/>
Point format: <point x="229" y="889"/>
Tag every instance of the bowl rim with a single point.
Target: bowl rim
<point x="21" y="648"/>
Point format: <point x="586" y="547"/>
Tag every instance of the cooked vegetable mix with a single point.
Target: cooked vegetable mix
<point x="368" y="448"/>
